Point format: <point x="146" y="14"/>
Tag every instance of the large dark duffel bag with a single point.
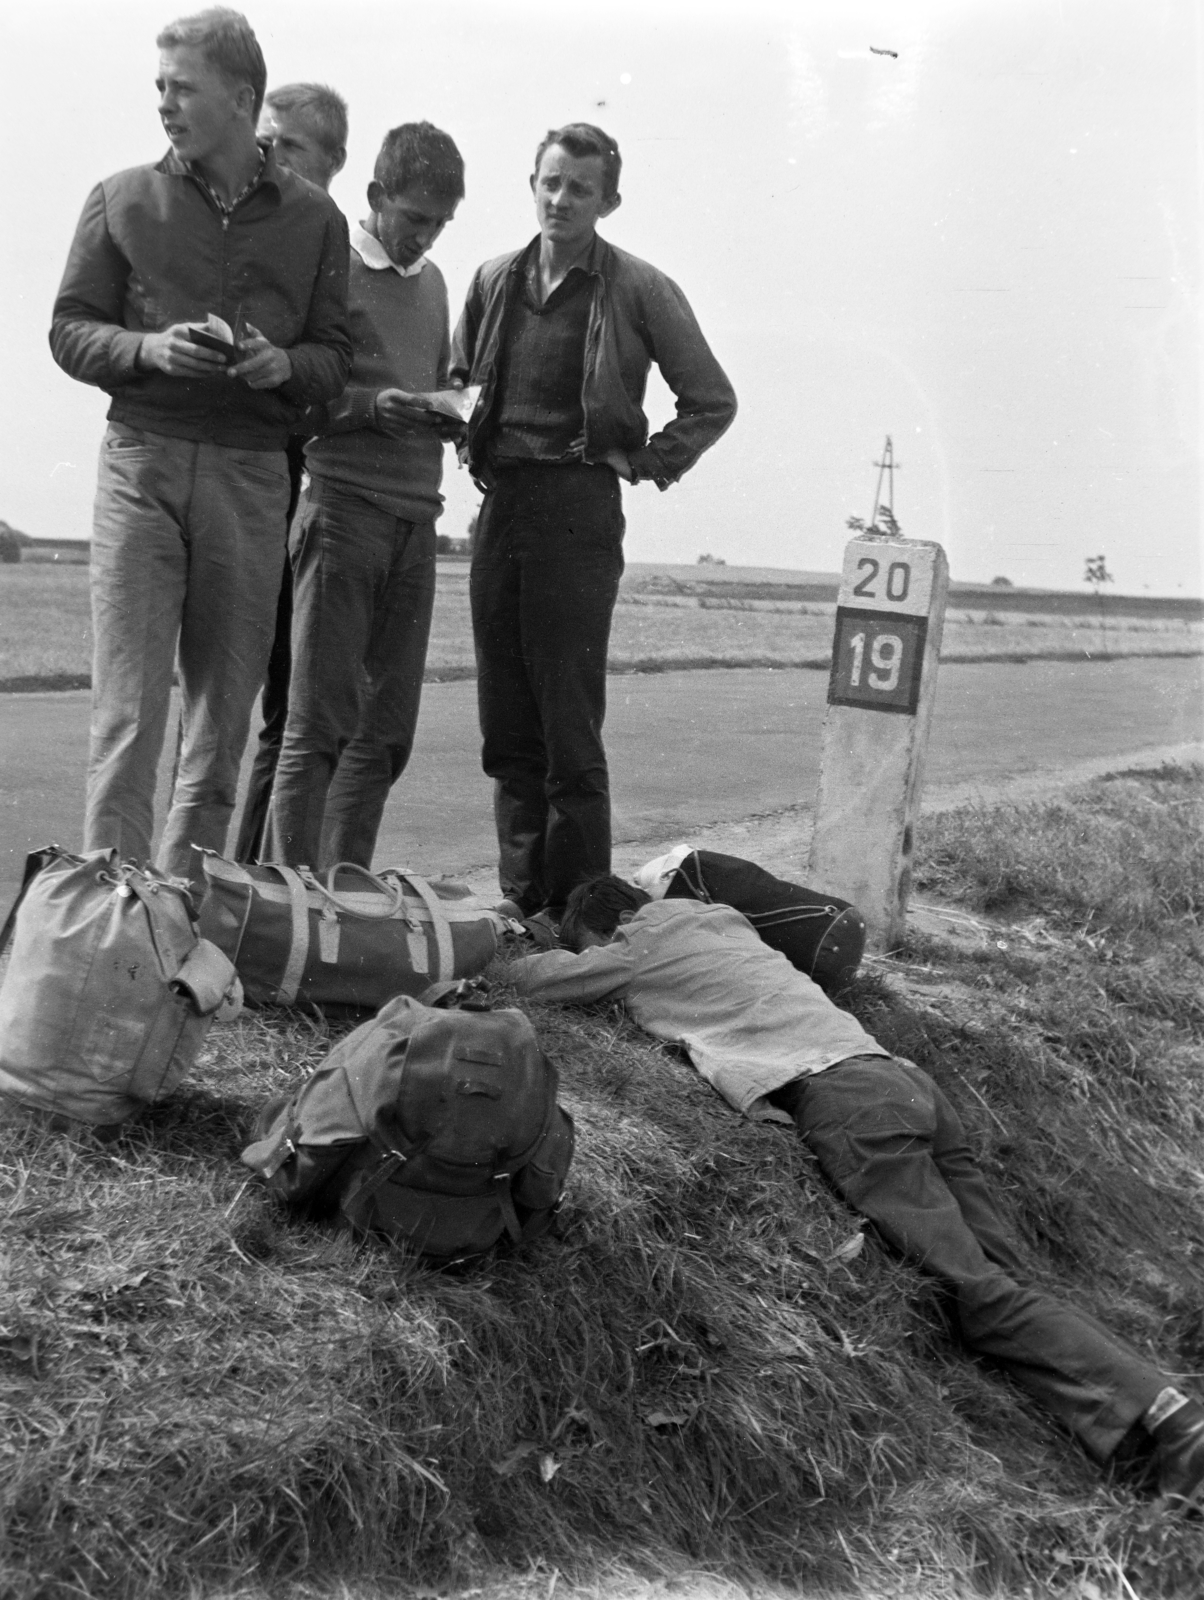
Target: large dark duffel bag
<point x="817" y="933"/>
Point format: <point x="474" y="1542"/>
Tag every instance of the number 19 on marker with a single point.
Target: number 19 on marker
<point x="876" y="660"/>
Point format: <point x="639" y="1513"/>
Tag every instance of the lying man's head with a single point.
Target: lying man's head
<point x="596" y="908"/>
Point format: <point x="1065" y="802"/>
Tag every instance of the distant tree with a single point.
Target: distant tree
<point x="10" y="543"/>
<point x="1097" y="575"/>
<point x="1002" y="583"/>
<point x="885" y="524"/>
<point x="711" y="561"/>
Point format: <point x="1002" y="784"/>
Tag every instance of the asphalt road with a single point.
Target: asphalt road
<point x="691" y="753"/>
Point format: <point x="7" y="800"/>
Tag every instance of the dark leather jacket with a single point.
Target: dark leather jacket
<point x="637" y="316"/>
<point x="152" y="249"/>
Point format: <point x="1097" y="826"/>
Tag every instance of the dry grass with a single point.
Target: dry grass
<point x="46" y="638"/>
<point x="709" y="1383"/>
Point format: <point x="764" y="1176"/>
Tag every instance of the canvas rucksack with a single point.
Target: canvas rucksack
<point x="109" y="992"/>
<point x="437" y="1129"/>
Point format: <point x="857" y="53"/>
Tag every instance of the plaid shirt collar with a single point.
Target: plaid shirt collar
<point x="222" y="206"/>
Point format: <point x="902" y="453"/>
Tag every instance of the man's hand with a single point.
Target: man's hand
<point x="617" y="460"/>
<point x="174" y="353"/>
<point x="396" y="414"/>
<point x="263" y="365"/>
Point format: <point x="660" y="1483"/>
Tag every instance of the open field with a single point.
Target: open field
<point x="713" y="1369"/>
<point x="46" y="632"/>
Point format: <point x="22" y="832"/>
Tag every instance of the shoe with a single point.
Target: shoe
<point x="509" y="908"/>
<point x="1179" y="1458"/>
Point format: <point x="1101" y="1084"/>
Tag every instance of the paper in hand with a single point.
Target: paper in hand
<point x="458" y="404"/>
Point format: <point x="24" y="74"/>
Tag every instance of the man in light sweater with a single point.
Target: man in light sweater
<point x="774" y="1046"/>
<point x="363" y="544"/>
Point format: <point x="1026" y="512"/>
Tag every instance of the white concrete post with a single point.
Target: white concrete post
<point x="889" y="617"/>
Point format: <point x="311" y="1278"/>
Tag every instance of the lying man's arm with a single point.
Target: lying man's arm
<point x="600" y="973"/>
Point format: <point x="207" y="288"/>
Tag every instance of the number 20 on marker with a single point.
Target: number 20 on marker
<point x="876" y="660"/>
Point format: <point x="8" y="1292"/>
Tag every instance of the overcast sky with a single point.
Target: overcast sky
<point x="986" y="243"/>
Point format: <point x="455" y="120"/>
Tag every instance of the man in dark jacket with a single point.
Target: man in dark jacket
<point x="193" y="480"/>
<point x="560" y="335"/>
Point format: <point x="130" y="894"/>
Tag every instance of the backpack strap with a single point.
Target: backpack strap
<point x="267" y="1155"/>
<point x="34" y="862"/>
<point x="501" y="1187"/>
<point x="445" y="957"/>
<point x="694" y="883"/>
<point x="784" y="914"/>
<point x="294" y="967"/>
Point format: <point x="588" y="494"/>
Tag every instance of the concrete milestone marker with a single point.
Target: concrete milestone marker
<point x="889" y="618"/>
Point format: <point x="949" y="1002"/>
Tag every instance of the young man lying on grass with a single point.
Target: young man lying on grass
<point x="773" y="1044"/>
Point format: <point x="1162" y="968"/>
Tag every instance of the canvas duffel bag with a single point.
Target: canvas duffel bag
<point x="298" y="941"/>
<point x="434" y="1129"/>
<point x="109" y="991"/>
<point x="817" y="933"/>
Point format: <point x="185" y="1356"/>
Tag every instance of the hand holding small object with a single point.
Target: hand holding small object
<point x="396" y="412"/>
<point x="173" y="351"/>
<point x="263" y="365"/>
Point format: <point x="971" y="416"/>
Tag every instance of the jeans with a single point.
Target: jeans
<point x="363" y="593"/>
<point x="186" y="555"/>
<point x="894" y="1147"/>
<point x="545" y="577"/>
<point x="252" y="842"/>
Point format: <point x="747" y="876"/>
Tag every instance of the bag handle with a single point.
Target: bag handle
<point x="327" y="890"/>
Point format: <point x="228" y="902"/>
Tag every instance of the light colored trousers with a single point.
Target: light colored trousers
<point x="363" y="593"/>
<point x="187" y="555"/>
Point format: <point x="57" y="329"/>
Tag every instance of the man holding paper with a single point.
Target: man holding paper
<point x="363" y="543"/>
<point x="207" y="295"/>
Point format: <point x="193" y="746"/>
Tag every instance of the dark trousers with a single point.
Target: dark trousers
<point x="546" y="566"/>
<point x="894" y="1147"/>
<point x="363" y="593"/>
<point x="252" y="826"/>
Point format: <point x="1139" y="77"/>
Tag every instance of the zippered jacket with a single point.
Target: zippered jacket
<point x="152" y="249"/>
<point x="637" y="316"/>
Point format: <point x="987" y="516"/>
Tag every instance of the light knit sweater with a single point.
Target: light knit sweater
<point x="400" y="340"/>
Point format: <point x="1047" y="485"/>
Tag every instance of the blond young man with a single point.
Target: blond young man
<point x="193" y="482"/>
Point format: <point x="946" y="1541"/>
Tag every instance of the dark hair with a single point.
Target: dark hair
<point x="418" y="155"/>
<point x="229" y="44"/>
<point x="323" y="108"/>
<point x="584" y="139"/>
<point x="598" y="906"/>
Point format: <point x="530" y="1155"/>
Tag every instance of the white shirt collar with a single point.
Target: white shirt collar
<point x="373" y="254"/>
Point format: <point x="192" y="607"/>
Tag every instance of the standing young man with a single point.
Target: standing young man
<point x="306" y="126"/>
<point x="561" y="335"/>
<point x="363" y="546"/>
<point x="193" y="481"/>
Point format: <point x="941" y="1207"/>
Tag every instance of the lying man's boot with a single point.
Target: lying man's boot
<point x="1179" y="1458"/>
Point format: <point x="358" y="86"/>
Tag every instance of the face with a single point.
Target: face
<point x="296" y="146"/>
<point x="201" y="113"/>
<point x="408" y="224"/>
<point x="569" y="198"/>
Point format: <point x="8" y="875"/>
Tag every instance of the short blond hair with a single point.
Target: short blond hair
<point x="229" y="44"/>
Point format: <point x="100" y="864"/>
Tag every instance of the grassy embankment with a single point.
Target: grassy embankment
<point x="46" y="633"/>
<point x="713" y="1369"/>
